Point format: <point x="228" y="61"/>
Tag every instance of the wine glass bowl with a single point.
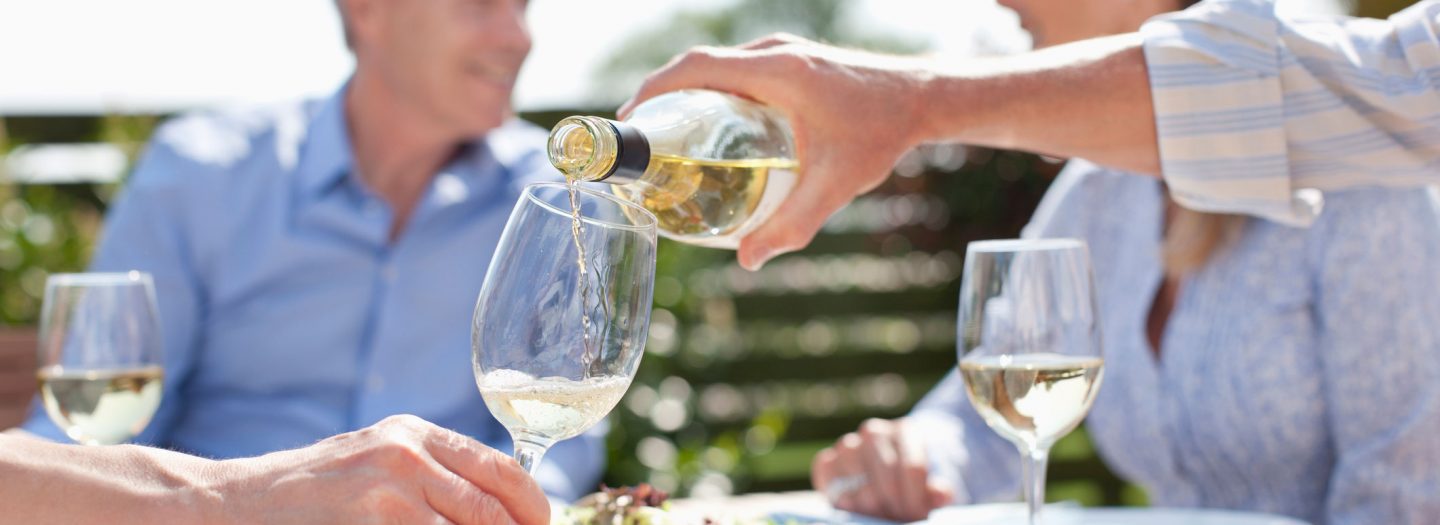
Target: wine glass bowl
<point x="1030" y="351"/>
<point x="555" y="346"/>
<point x="100" y="369"/>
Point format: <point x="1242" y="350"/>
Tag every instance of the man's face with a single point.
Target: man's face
<point x="453" y="60"/>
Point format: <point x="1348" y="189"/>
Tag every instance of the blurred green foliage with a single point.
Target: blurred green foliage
<point x="48" y="229"/>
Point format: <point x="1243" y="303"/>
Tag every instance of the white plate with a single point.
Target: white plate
<point x="1010" y="514"/>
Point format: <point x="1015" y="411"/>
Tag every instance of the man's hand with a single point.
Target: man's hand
<point x="891" y="461"/>
<point x="854" y="114"/>
<point x="401" y="470"/>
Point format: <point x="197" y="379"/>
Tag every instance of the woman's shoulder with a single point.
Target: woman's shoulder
<point x="1378" y="206"/>
<point x="1087" y="200"/>
<point x="1395" y="227"/>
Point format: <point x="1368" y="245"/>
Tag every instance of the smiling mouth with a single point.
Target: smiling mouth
<point x="490" y="74"/>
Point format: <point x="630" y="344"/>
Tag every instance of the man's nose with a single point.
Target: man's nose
<point x="513" y="32"/>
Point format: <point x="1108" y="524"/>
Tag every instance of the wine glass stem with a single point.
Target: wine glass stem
<point x="1033" y="471"/>
<point x="529" y="454"/>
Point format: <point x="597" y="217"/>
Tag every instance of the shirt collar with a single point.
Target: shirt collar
<point x="327" y="155"/>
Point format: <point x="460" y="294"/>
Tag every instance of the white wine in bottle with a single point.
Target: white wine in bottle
<point x="710" y="166"/>
<point x="1032" y="399"/>
<point x="101" y="407"/>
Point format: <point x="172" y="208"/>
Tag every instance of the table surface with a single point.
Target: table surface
<point x="811" y="507"/>
<point x="751" y="506"/>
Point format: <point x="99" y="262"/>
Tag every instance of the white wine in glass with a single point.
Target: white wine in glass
<point x="1030" y="345"/>
<point x="550" y="409"/>
<point x="100" y="371"/>
<point x="556" y="344"/>
<point x="1032" y="398"/>
<point x="101" y="407"/>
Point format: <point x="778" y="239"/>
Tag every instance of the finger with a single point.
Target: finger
<point x="695" y="68"/>
<point x="461" y="502"/>
<point x="493" y="473"/>
<point x="773" y="40"/>
<point x="822" y="470"/>
<point x="914" y="471"/>
<point x="743" y="72"/>
<point x="940" y="494"/>
<point x="798" y="218"/>
<point x="882" y="465"/>
<point x="434" y="519"/>
<point x="864" y="500"/>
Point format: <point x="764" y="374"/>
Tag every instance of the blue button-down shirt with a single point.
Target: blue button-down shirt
<point x="289" y="315"/>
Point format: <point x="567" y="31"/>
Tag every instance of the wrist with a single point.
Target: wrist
<point x="952" y="103"/>
<point x="187" y="487"/>
<point x="920" y="102"/>
<point x="233" y="491"/>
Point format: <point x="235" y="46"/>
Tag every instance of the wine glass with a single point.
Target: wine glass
<point x="1030" y="345"/>
<point x="555" y="346"/>
<point x="99" y="357"/>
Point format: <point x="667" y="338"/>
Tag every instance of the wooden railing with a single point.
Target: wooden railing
<point x="17" y="374"/>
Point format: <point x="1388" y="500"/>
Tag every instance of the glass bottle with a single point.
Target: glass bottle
<point x="711" y="166"/>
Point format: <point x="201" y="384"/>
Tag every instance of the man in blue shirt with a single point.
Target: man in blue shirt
<point x="317" y="264"/>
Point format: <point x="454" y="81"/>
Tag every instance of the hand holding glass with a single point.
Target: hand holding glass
<point x="1030" y="345"/>
<point x="545" y="373"/>
<point x="99" y="357"/>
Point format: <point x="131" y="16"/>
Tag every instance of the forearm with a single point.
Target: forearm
<point x="1089" y="99"/>
<point x="42" y="482"/>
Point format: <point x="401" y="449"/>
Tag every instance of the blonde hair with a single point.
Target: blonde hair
<point x="1193" y="238"/>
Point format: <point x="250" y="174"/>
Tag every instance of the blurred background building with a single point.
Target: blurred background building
<point x="747" y="374"/>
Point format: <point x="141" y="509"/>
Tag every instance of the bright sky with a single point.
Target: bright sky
<point x="94" y="56"/>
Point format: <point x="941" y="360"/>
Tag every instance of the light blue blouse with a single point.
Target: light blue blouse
<point x="1300" y="371"/>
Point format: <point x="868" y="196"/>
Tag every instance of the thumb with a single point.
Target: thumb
<point x="939" y="493"/>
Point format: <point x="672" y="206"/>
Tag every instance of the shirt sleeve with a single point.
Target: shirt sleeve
<point x="961" y="448"/>
<point x="1257" y="114"/>
<point x="1380" y="354"/>
<point x="144" y="231"/>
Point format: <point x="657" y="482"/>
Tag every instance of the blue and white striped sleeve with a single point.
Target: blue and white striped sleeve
<point x="1258" y="115"/>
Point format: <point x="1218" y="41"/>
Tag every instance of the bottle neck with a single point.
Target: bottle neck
<point x="633" y="157"/>
<point x="593" y="149"/>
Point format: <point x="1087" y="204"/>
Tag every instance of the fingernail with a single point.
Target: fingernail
<point x="762" y="255"/>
